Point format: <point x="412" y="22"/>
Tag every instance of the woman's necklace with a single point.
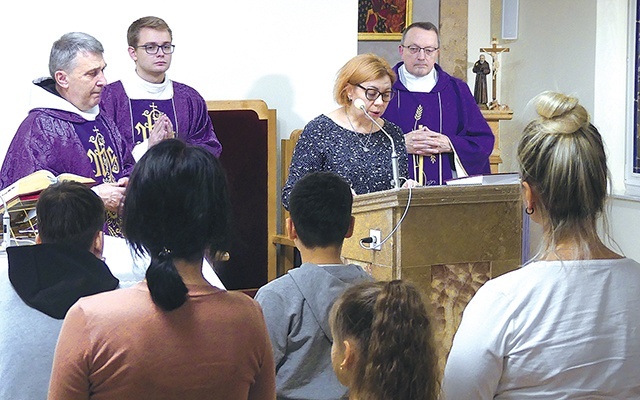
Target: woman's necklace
<point x="365" y="146"/>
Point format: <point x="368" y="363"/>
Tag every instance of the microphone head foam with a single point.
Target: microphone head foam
<point x="359" y="103"/>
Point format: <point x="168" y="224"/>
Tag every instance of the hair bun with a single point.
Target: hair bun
<point x="560" y="113"/>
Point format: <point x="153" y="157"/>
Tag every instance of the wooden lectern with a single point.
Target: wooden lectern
<point x="451" y="241"/>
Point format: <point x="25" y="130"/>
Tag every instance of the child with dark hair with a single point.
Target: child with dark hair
<point x="174" y="336"/>
<point x="43" y="281"/>
<point x="382" y="343"/>
<point x="296" y="306"/>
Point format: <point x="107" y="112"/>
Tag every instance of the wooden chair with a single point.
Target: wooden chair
<point x="247" y="131"/>
<point x="285" y="246"/>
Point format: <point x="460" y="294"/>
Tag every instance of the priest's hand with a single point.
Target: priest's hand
<point x="424" y="141"/>
<point x="162" y="129"/>
<point x="112" y="194"/>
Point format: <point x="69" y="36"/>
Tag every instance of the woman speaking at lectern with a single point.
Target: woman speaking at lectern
<point x="566" y="324"/>
<point x="352" y="140"/>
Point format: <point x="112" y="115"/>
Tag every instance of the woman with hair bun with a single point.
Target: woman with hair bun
<point x="566" y="324"/>
<point x="173" y="336"/>
<point x="382" y="343"/>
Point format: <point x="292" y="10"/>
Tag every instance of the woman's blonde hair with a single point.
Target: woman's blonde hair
<point x="361" y="68"/>
<point x="562" y="158"/>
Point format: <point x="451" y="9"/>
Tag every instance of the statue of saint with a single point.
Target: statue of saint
<point x="481" y="69"/>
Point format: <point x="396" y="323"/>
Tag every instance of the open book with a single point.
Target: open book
<point x="509" y="178"/>
<point x="31" y="185"/>
<point x="21" y="196"/>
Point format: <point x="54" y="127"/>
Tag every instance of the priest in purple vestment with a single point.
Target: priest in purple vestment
<point x="146" y="105"/>
<point x="64" y="131"/>
<point x="445" y="133"/>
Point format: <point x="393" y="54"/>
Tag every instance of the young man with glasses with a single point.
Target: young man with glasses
<point x="445" y="132"/>
<point x="148" y="106"/>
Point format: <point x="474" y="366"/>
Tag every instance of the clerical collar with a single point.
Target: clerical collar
<point x="46" y="96"/>
<point x="137" y="88"/>
<point x="418" y="84"/>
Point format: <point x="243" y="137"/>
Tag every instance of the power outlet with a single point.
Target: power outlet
<point x="377" y="238"/>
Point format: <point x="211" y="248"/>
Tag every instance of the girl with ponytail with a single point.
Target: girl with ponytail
<point x="173" y="336"/>
<point x="565" y="324"/>
<point x="382" y="343"/>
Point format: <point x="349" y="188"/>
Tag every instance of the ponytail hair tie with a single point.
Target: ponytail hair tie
<point x="164" y="253"/>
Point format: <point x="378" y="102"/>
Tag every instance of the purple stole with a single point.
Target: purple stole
<point x="145" y="113"/>
<point x="100" y="150"/>
<point x="430" y="170"/>
<point x="103" y="159"/>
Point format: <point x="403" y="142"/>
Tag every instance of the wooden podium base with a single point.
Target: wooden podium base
<point x="451" y="241"/>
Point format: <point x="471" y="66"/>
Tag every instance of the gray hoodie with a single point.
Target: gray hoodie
<point x="296" y="309"/>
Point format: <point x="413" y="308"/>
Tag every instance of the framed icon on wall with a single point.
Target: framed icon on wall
<point x="383" y="19"/>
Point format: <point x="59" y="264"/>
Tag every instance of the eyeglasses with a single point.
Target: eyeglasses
<point x="427" y="50"/>
<point x="372" y="94"/>
<point x="153" y="48"/>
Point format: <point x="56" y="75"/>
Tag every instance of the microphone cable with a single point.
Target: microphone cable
<point x="369" y="240"/>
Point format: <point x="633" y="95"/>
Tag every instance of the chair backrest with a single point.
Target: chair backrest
<point x="285" y="253"/>
<point x="247" y="131"/>
<point x="287" y="147"/>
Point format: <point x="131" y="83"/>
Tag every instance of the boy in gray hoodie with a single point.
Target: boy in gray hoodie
<point x="296" y="305"/>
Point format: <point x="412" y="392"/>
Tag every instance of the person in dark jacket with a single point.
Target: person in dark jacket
<point x="41" y="282"/>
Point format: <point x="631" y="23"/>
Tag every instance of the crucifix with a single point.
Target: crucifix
<point x="493" y="51"/>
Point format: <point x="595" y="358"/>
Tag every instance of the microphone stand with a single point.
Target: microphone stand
<point x="359" y="103"/>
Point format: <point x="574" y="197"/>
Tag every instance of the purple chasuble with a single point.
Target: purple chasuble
<point x="58" y="140"/>
<point x="450" y="109"/>
<point x="187" y="111"/>
<point x="145" y="113"/>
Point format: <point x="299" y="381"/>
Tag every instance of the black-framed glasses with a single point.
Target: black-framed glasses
<point x="372" y="94"/>
<point x="429" y="51"/>
<point x="153" y="48"/>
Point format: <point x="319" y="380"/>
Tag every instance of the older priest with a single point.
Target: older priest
<point x="64" y="131"/>
<point x="445" y="132"/>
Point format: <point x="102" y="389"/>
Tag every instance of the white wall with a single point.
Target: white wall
<point x="479" y="37"/>
<point x="610" y="90"/>
<point x="577" y="47"/>
<point x="284" y="52"/>
<point x="610" y="115"/>
<point x="555" y="50"/>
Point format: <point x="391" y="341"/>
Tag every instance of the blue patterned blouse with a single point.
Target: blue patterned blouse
<point x="363" y="159"/>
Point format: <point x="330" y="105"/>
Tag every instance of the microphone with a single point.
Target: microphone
<point x="359" y="103"/>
